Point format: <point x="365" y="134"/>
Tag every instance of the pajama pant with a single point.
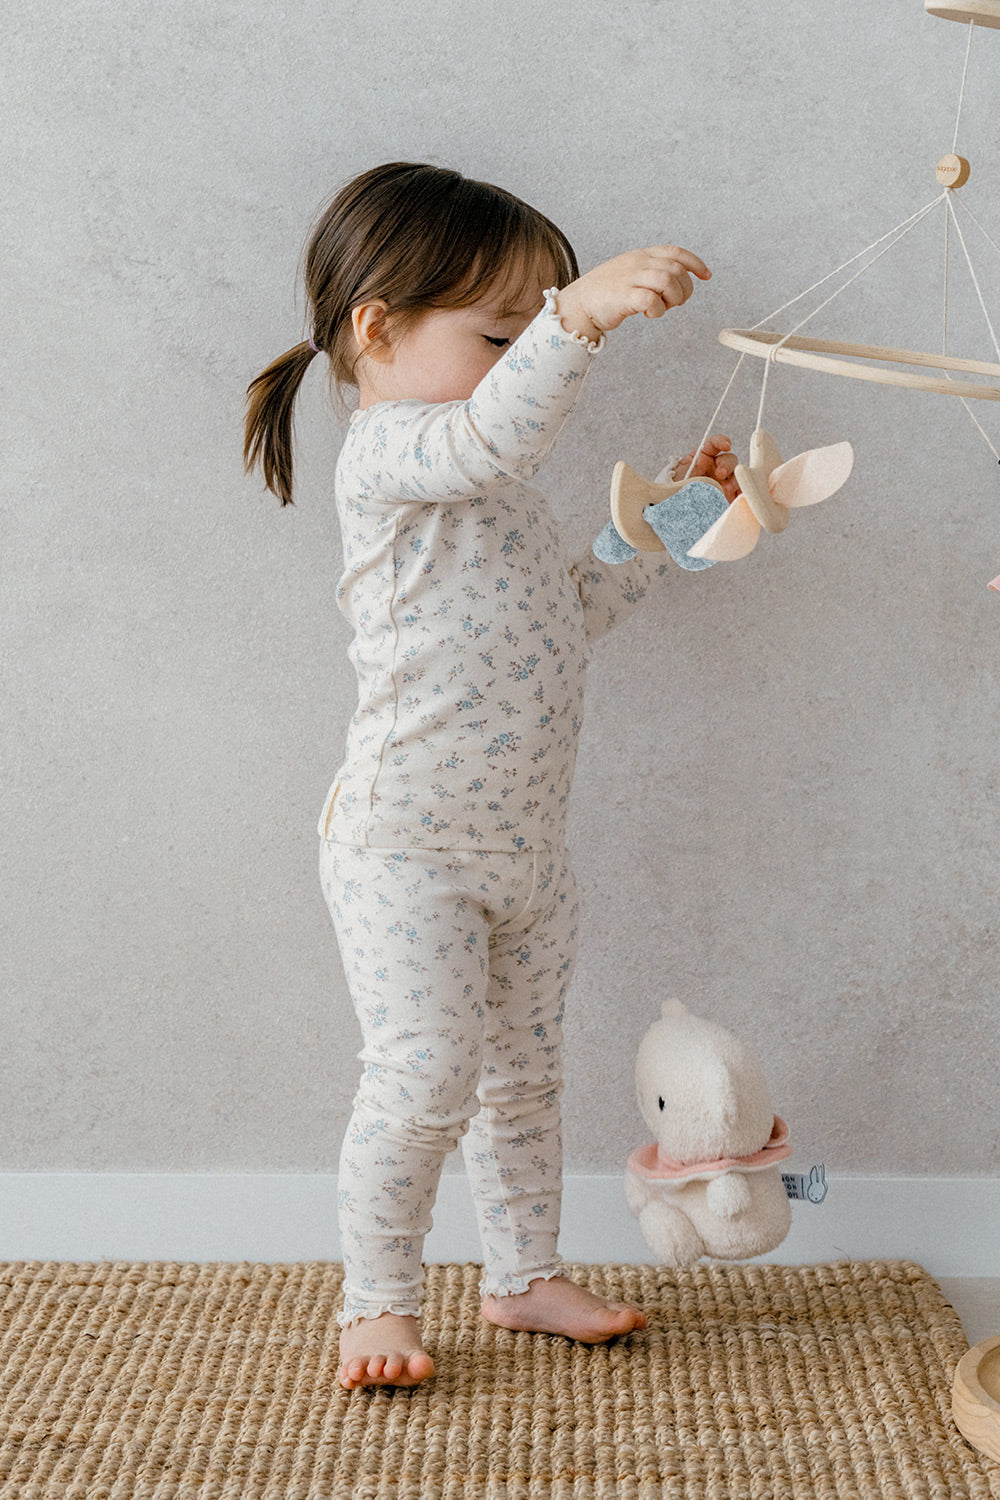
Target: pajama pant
<point x="458" y="964"/>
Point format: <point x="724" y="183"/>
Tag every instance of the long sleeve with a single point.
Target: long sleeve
<point x="470" y="633"/>
<point x="454" y="450"/>
<point x="610" y="593"/>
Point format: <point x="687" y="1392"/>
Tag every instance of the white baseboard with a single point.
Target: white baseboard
<point x="950" y="1225"/>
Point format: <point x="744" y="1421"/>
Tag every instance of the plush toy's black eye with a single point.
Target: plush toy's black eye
<point x="662" y="1105"/>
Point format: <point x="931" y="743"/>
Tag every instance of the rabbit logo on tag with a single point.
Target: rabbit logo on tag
<point x="811" y="1189"/>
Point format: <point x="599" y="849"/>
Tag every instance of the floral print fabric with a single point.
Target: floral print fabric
<point x="458" y="964"/>
<point x="471" y="635"/>
<point x="443" y="859"/>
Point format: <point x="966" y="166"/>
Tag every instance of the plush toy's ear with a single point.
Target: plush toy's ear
<point x="673" y="1010"/>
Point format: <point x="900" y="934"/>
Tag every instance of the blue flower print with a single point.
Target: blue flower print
<point x="452" y="560"/>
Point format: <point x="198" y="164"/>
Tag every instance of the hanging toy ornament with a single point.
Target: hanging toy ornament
<point x="769" y="489"/>
<point x="656" y="516"/>
<point x="691" y="518"/>
<point x="644" y="513"/>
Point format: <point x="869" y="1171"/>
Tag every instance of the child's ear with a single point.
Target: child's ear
<point x="368" y="322"/>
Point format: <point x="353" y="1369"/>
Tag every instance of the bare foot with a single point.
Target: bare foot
<point x="383" y="1351"/>
<point x="560" y="1306"/>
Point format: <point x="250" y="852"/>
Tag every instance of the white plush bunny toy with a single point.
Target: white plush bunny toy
<point x="709" y="1184"/>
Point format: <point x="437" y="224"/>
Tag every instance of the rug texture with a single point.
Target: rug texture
<point x="218" y="1382"/>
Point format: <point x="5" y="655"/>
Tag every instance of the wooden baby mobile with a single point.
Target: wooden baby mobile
<point x="769" y="487"/>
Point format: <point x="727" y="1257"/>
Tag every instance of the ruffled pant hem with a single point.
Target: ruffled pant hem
<point x="350" y="1315"/>
<point x="509" y="1285"/>
<point x="512" y="1285"/>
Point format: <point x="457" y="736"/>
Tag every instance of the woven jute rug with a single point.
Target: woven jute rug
<point x="192" y="1382"/>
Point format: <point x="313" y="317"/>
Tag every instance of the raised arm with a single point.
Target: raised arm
<point x="416" y="450"/>
<point x="447" y="450"/>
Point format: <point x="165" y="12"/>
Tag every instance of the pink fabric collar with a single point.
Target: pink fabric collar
<point x="646" y="1161"/>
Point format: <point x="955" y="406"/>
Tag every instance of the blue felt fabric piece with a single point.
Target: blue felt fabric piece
<point x="685" y="517"/>
<point x="611" y="546"/>
<point x="678" y="522"/>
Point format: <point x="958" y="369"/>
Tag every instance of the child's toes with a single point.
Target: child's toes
<point x="627" y="1317"/>
<point x="638" y="1319"/>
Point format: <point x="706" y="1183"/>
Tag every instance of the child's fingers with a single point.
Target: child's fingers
<point x="714" y="453"/>
<point x="646" y="281"/>
<point x="677" y="289"/>
<point x="714" y="461"/>
<point x="697" y="468"/>
<point x="674" y="293"/>
<point x="686" y="260"/>
<point x="724" y="465"/>
<point x="649" y="302"/>
<point x="669" y="276"/>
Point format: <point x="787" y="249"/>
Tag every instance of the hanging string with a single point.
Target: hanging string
<point x="830" y="274"/>
<point x="975" y="282"/>
<point x="903" y="230"/>
<point x="975" y="420"/>
<point x="952" y="199"/>
<point x="893" y="236"/>
<point x="975" y="219"/>
<point x="947" y="247"/>
<point x="947" y="373"/>
<point x="917" y="218"/>
<point x="708" y="429"/>
<point x="961" y="92"/>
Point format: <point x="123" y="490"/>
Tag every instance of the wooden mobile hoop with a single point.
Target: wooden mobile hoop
<point x="952" y="172"/>
<point x="630" y="493"/>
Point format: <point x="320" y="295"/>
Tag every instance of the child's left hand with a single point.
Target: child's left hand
<point x="715" y="461"/>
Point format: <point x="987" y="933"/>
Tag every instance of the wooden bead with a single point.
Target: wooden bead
<point x="952" y="171"/>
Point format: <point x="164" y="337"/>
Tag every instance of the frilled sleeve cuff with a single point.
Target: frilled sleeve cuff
<point x="552" y="307"/>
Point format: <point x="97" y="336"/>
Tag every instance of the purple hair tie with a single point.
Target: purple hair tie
<point x="314" y="346"/>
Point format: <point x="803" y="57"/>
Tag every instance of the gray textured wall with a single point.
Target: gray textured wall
<point x="787" y="795"/>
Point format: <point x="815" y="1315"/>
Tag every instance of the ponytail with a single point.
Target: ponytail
<point x="270" y="399"/>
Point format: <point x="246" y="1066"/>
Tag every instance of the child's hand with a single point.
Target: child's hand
<point x="715" y="461"/>
<point x="641" y="281"/>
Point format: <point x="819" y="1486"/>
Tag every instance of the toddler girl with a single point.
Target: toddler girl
<point x="460" y="315"/>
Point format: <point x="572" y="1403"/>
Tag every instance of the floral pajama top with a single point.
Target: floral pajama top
<point x="471" y="635"/>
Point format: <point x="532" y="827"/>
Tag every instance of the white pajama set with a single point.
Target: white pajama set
<point x="443" y="857"/>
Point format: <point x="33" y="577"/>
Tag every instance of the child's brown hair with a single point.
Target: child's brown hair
<point x="411" y="236"/>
